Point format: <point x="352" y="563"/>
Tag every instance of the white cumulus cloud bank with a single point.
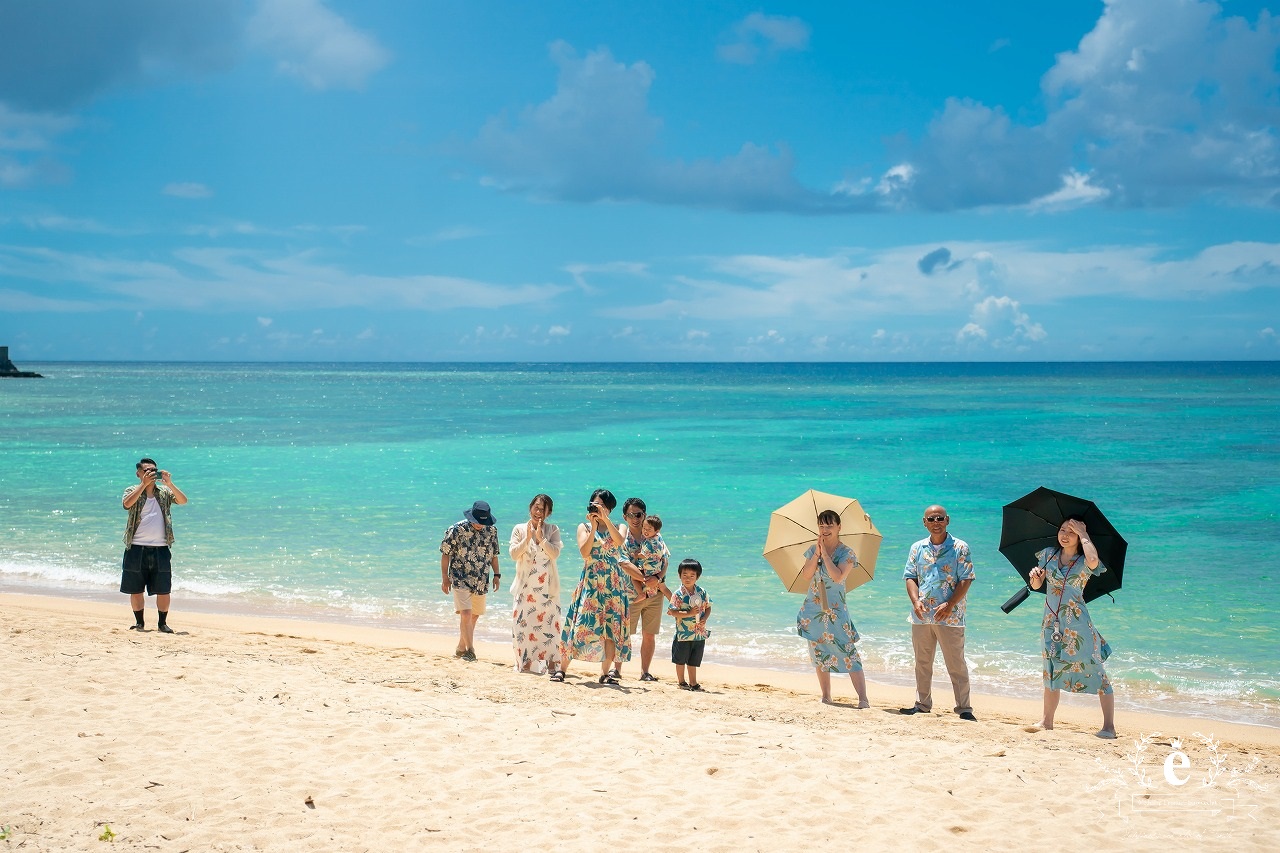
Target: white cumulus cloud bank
<point x="595" y="139"/>
<point x="1161" y="102"/>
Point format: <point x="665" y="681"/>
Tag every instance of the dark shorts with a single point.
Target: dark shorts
<point x="687" y="652"/>
<point x="147" y="569"/>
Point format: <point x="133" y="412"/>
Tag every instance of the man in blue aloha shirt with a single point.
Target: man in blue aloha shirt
<point x="939" y="573"/>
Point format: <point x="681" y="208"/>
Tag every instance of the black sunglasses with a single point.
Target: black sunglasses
<point x="935" y="518"/>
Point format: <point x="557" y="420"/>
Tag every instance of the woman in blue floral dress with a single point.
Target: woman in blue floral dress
<point x="1072" y="650"/>
<point x="595" y="625"/>
<point x="824" y="616"/>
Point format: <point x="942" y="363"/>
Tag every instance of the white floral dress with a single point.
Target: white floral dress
<point x="536" y="623"/>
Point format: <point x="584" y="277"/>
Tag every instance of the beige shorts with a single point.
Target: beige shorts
<point x="649" y="610"/>
<point x="465" y="600"/>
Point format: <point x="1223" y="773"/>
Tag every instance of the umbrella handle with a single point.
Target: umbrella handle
<point x="1017" y="598"/>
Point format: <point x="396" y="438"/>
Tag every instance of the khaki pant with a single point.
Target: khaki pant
<point x="925" y="639"/>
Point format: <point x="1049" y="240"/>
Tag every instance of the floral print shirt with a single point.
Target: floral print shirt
<point x="938" y="570"/>
<point x="471" y="555"/>
<point x="648" y="555"/>
<point x="690" y="627"/>
<point x="163" y="497"/>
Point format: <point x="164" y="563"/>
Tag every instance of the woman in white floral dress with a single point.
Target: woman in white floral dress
<point x="535" y="546"/>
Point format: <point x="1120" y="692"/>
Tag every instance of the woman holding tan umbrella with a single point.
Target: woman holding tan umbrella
<point x="824" y="617"/>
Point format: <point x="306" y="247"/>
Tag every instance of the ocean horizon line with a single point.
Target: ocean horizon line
<point x="1039" y="362"/>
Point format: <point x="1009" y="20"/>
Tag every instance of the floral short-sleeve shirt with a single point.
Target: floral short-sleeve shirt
<point x="690" y="627"/>
<point x="649" y="555"/>
<point x="938" y="570"/>
<point x="471" y="554"/>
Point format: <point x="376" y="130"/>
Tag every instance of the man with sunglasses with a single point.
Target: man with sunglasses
<point x="938" y="575"/>
<point x="651" y="557"/>
<point x="148" y="535"/>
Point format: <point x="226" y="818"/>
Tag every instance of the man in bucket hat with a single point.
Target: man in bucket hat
<point x="468" y="552"/>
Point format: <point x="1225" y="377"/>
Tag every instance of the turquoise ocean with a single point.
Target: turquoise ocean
<point x="320" y="491"/>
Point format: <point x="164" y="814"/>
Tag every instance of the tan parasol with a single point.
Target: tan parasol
<point x="794" y="528"/>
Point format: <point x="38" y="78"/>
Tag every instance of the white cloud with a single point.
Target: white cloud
<point x="1076" y="191"/>
<point x="187" y="190"/>
<point x="26" y="142"/>
<point x="316" y="45"/>
<point x="244" y="228"/>
<point x="595" y="140"/>
<point x="55" y="56"/>
<point x="20" y="301"/>
<point x="57" y="222"/>
<point x="611" y="268"/>
<point x="696" y="335"/>
<point x="448" y="235"/>
<point x="31" y="131"/>
<point x="264" y="322"/>
<point x="928" y="281"/>
<point x="1163" y="101"/>
<point x="558" y="331"/>
<point x="771" y="337"/>
<point x="231" y="279"/>
<point x="760" y="34"/>
<point x="1000" y="322"/>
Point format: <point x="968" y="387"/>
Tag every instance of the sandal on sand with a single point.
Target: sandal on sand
<point x="696" y="688"/>
<point x="558" y="675"/>
<point x="684" y="685"/>
<point x="647" y="677"/>
<point x="608" y="678"/>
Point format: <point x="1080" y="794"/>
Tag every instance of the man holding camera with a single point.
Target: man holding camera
<point x="148" y="536"/>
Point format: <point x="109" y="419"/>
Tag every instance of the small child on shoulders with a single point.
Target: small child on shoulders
<point x="691" y="607"/>
<point x="652" y="585"/>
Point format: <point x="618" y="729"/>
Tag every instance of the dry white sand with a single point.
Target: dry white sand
<point x="244" y="733"/>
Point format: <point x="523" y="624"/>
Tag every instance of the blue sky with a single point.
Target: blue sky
<point x="857" y="181"/>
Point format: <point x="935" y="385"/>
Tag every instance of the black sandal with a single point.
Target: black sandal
<point x="558" y="675"/>
<point x="608" y="678"/>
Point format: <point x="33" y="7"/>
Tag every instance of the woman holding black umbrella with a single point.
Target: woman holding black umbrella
<point x="1073" y="650"/>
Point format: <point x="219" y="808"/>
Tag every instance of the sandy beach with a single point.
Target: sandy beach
<point x="249" y="733"/>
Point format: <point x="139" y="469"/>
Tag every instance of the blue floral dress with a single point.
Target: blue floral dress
<point x="1073" y="661"/>
<point x="836" y="651"/>
<point x="599" y="608"/>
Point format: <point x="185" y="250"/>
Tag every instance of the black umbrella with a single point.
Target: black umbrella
<point x="1031" y="524"/>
